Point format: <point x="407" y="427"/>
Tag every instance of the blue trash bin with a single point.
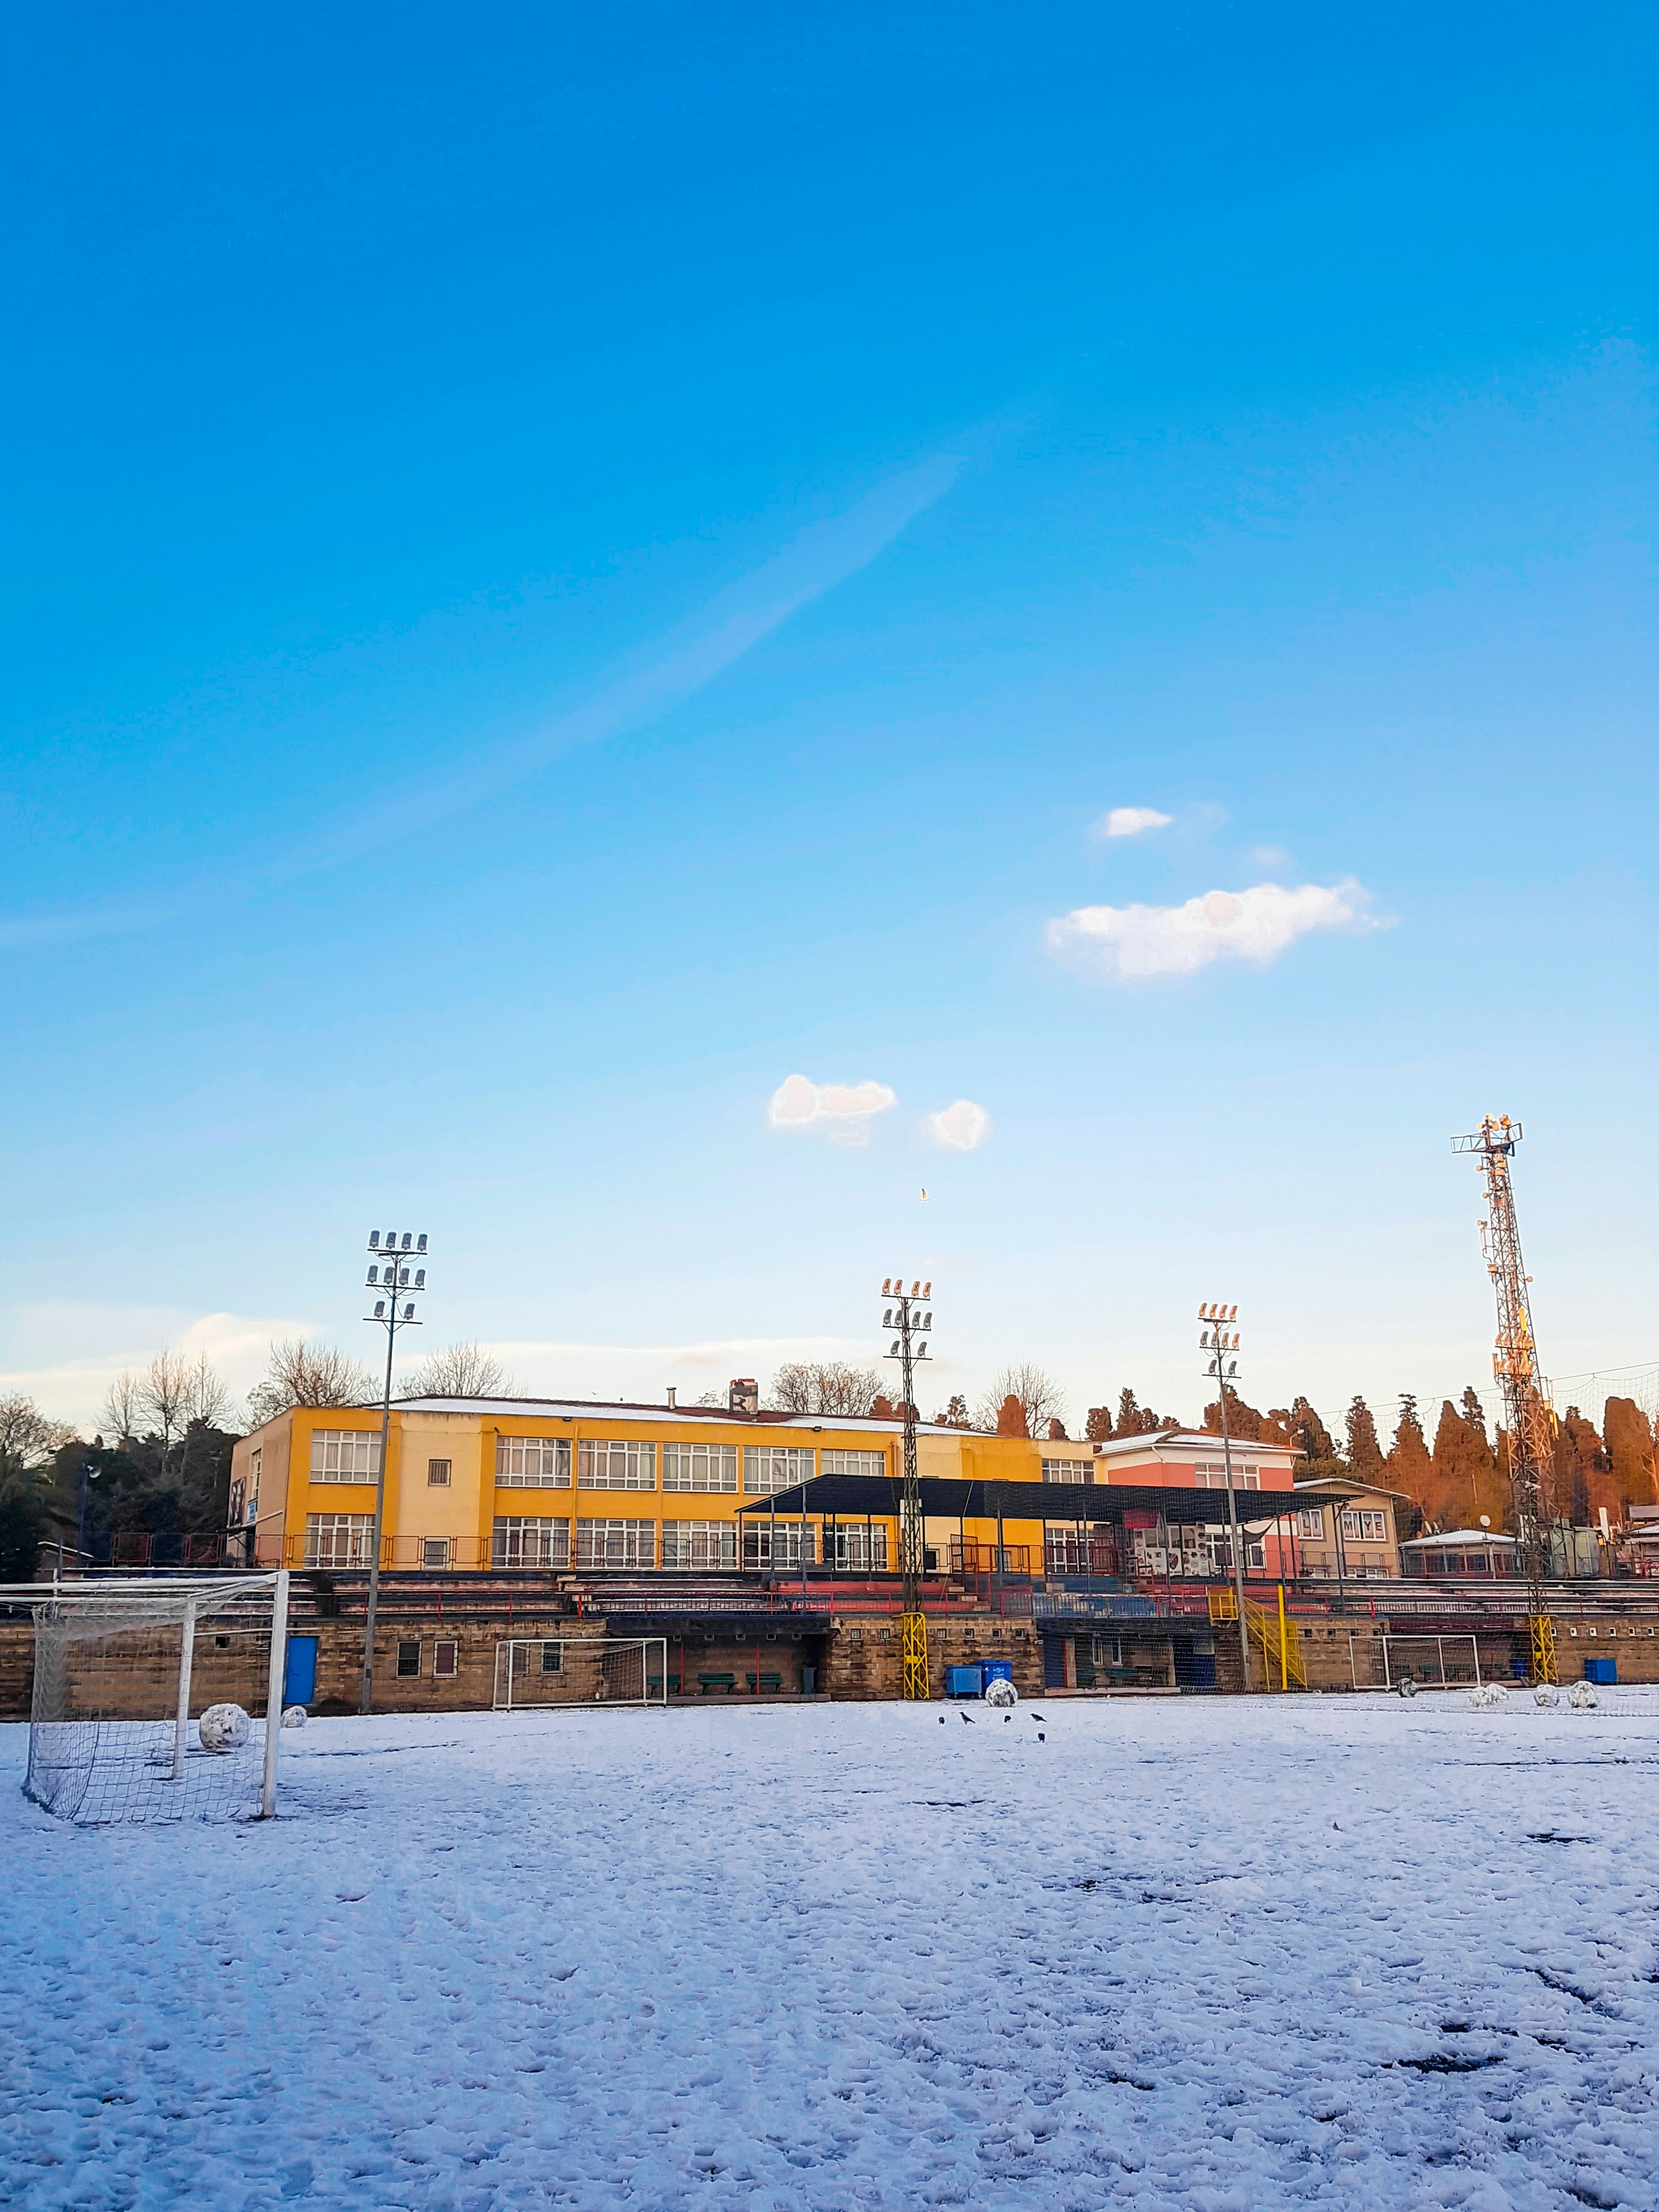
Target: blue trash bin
<point x="964" y="1681"/>
<point x="1601" y="1670"/>
<point x="999" y="1670"/>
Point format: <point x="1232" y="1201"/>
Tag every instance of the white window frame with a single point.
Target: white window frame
<point x="616" y="1463"/>
<point x="1074" y="1470"/>
<point x="445" y="1659"/>
<point x="1354" y="1528"/>
<point x="691" y="1546"/>
<point x="699" y="1467"/>
<point x="768" y="1468"/>
<point x="434" y="1479"/>
<point x="531" y="1463"/>
<point x="350" y="1455"/>
<point x="1310" y="1521"/>
<point x="338" y="1539"/>
<point x="836" y="1460"/>
<point x="621" y="1544"/>
<point x="854" y="1548"/>
<point x="778" y="1544"/>
<point x="517" y="1540"/>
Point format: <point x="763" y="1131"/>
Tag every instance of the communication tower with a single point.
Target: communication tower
<point x="1528" y="1416"/>
<point x="905" y="1316"/>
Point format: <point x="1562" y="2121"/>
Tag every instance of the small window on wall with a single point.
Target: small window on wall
<point x="437" y="1474"/>
<point x="446" y="1660"/>
<point x="409" y="1658"/>
<point x="1311" y="1521"/>
<point x="434" y="1552"/>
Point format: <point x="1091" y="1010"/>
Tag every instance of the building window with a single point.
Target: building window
<point x="237" y="1493"/>
<point x="519" y="1541"/>
<point x="769" y="1467"/>
<point x="255" y="1461"/>
<point x="615" y="1543"/>
<point x="699" y="1544"/>
<point x="437" y="1474"/>
<point x="409" y="1658"/>
<point x="602" y="1464"/>
<point x="552" y="1659"/>
<point x="1364" y="1527"/>
<point x="699" y="1467"/>
<point x="338" y="1539"/>
<point x="1310" y="1521"/>
<point x="445" y="1659"/>
<point x="1255" y="1552"/>
<point x="533" y="1463"/>
<point x="345" y="1455"/>
<point x="434" y="1552"/>
<point x="769" y="1544"/>
<point x="1068" y="1470"/>
<point x="858" y="1549"/>
<point x="854" y="1462"/>
<point x="1213" y="1476"/>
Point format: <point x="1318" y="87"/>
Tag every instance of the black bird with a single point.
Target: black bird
<point x="941" y="1720"/>
<point x="968" y="1720"/>
<point x="1041" y="1737"/>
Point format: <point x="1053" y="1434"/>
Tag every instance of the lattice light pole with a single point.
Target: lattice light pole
<point x="905" y="1316"/>
<point x="1526" y="1413"/>
<point x="392" y="1269"/>
<point x="1218" y="1341"/>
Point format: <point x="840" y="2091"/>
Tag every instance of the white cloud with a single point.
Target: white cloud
<point x="840" y="1111"/>
<point x="1257" y="923"/>
<point x="1131" y="821"/>
<point x="964" y="1126"/>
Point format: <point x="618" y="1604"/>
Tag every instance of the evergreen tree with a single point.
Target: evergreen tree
<point x="1313" y="1439"/>
<point x="1242" y="1421"/>
<point x="1630" y="1454"/>
<point x="1099" y="1427"/>
<point x="1408" y="1465"/>
<point x="1011" y="1418"/>
<point x="1364" y="1453"/>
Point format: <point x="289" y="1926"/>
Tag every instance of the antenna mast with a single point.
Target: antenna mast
<point x="1528" y="1416"/>
<point x="904" y="1315"/>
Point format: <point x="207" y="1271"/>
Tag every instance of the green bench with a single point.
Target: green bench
<point x="759" y="1682"/>
<point x="708" y="1682"/>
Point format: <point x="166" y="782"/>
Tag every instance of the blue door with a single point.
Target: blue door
<point x="299" y="1671"/>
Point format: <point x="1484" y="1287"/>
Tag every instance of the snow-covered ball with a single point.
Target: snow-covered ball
<point x="1489" y="1694"/>
<point x="295" y="1716"/>
<point x="1583" y="1698"/>
<point x="1546" y="1694"/>
<point x="1406" y="1687"/>
<point x="1001" y="1693"/>
<point x="222" y="1728"/>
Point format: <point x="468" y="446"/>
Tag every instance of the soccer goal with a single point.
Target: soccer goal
<point x="1432" y="1662"/>
<point x="538" y="1671"/>
<point x="145" y="1695"/>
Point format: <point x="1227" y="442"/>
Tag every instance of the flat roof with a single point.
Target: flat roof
<point x="954" y="1497"/>
<point x="568" y="1408"/>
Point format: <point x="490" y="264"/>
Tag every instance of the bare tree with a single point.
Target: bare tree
<point x="124" y="1407"/>
<point x="460" y="1371"/>
<point x="824" y="1387"/>
<point x="1041" y="1398"/>
<point x="27" y="1440"/>
<point x="299" y="1373"/>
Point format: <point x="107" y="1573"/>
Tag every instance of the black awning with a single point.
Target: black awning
<point x="858" y="1496"/>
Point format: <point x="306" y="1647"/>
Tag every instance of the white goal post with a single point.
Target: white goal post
<point x="536" y="1671"/>
<point x="1433" y="1663"/>
<point x="121" y="1662"/>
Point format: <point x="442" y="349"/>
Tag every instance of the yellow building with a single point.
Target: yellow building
<point x="477" y="1483"/>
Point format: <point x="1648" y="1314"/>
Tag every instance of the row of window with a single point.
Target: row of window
<point x="1360" y="1525"/>
<point x="345" y="1539"/>
<point x="607" y="1463"/>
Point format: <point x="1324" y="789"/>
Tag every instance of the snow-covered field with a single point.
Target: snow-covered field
<point x="1199" y="1953"/>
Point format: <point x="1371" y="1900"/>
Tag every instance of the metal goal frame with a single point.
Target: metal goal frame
<point x="523" y="1660"/>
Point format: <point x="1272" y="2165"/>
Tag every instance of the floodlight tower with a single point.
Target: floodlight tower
<point x="904" y="1315"/>
<point x="1528" y="1415"/>
<point x="392" y="1270"/>
<point x="1218" y="1341"/>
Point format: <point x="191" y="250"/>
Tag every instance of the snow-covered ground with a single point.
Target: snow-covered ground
<point x="1202" y="1953"/>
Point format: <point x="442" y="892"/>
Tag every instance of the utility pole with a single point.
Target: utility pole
<point x="390" y="1270"/>
<point x="903" y="1316"/>
<point x="1219" y="1342"/>
<point x="1528" y="1416"/>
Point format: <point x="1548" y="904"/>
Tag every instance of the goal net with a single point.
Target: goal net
<point x="152" y="1698"/>
<point x="580" y="1670"/>
<point x="1432" y="1662"/>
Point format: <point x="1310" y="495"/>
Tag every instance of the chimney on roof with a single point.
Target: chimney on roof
<point x="745" y="1395"/>
<point x="671" y="1398"/>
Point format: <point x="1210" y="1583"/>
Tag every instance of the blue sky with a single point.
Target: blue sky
<point x="565" y="567"/>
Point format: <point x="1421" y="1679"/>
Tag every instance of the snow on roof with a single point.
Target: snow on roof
<point x="1457" y="1536"/>
<point x="1189" y="1440"/>
<point x="568" y="1408"/>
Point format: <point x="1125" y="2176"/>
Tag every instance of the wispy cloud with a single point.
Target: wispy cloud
<point x="1257" y="925"/>
<point x="840" y="1111"/>
<point x="963" y="1125"/>
<point x="1131" y="822"/>
<point x="677" y="666"/>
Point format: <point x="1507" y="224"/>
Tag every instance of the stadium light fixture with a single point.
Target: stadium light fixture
<point x="394" y="1278"/>
<point x="1215" y="1342"/>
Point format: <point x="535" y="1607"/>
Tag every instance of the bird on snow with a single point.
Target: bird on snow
<point x="941" y="1720"/>
<point x="968" y="1720"/>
